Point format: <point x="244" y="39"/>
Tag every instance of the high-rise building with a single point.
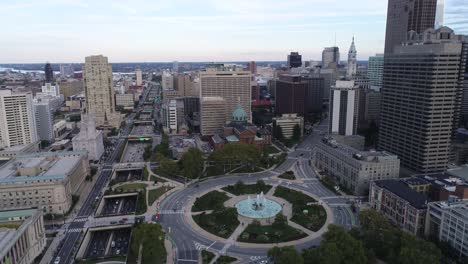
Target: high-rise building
<point x="298" y="94"/>
<point x="175" y="66"/>
<point x="66" y="71"/>
<point x="70" y="87"/>
<point x="344" y="108"/>
<point x="440" y="10"/>
<point x="97" y="73"/>
<point x="17" y="120"/>
<point x="407" y="15"/>
<point x="183" y="85"/>
<point x="139" y="77"/>
<point x="212" y="115"/>
<point x="330" y="57"/>
<point x="231" y="85"/>
<point x="421" y="95"/>
<point x="252" y="67"/>
<point x="173" y="115"/>
<point x="44" y="121"/>
<point x="49" y="73"/>
<point x="352" y="62"/>
<point x="294" y="60"/>
<point x="167" y="80"/>
<point x="375" y="70"/>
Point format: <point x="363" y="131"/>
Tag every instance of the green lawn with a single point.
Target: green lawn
<point x="225" y="260"/>
<point x="315" y="216"/>
<point x="289" y="175"/>
<point x="275" y="233"/>
<point x="210" y="201"/>
<point x="292" y="196"/>
<point x="240" y="188"/>
<point x="313" y="220"/>
<point x="207" y="256"/>
<point x="131" y="187"/>
<point x="221" y="222"/>
<point x="269" y="149"/>
<point x="153" y="195"/>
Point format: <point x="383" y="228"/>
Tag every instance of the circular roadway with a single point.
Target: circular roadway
<point x="188" y="241"/>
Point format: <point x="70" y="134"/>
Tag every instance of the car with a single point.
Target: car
<point x="125" y="219"/>
<point x="57" y="260"/>
<point x="113" y="222"/>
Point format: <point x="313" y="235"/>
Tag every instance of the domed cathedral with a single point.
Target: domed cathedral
<point x="239" y="130"/>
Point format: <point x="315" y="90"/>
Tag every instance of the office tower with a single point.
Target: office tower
<point x="440" y="10"/>
<point x="49" y="73"/>
<point x="330" y="57"/>
<point x="252" y="67"/>
<point x="89" y="139"/>
<point x="44" y="121"/>
<point x="183" y="85"/>
<point x="464" y="95"/>
<point x="407" y="15"/>
<point x="173" y="116"/>
<point x="97" y="73"/>
<point x="290" y="95"/>
<point x="298" y="94"/>
<point x="167" y="80"/>
<point x="66" y="70"/>
<point x="344" y="108"/>
<point x="17" y="120"/>
<point x="421" y="94"/>
<point x="70" y="87"/>
<point x="294" y="60"/>
<point x="375" y="70"/>
<point x="231" y="85"/>
<point x="352" y="62"/>
<point x="175" y="66"/>
<point x="139" y="77"/>
<point x="212" y="115"/>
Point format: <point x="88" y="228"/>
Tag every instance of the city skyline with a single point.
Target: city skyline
<point x="67" y="31"/>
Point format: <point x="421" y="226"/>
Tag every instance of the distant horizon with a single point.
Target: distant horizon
<point x="205" y="30"/>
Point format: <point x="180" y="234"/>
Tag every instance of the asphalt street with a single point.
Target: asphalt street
<point x="70" y="242"/>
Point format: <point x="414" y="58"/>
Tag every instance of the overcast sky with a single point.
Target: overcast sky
<point x="194" y="30"/>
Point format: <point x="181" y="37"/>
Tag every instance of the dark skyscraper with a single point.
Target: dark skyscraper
<point x="407" y="15"/>
<point x="299" y="95"/>
<point x="421" y="94"/>
<point x="294" y="60"/>
<point x="49" y="74"/>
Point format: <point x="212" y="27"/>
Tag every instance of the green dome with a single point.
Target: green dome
<point x="239" y="115"/>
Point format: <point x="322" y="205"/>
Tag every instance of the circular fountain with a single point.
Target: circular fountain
<point x="258" y="207"/>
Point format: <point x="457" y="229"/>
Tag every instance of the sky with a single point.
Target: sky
<point x="36" y="31"/>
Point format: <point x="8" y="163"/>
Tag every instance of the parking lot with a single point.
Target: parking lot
<point x="142" y="130"/>
<point x="134" y="152"/>
<point x="107" y="243"/>
<point x="119" y="206"/>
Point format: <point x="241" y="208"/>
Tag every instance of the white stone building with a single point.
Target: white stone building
<point x="344" y="108"/>
<point x="352" y="168"/>
<point x="25" y="242"/>
<point x="89" y="139"/>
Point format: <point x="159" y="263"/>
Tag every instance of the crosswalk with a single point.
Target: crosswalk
<point x="163" y="212"/>
<point x="75" y="230"/>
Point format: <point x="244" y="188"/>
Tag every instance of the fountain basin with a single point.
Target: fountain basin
<point x="267" y="209"/>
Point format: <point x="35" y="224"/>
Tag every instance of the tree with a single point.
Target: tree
<point x="169" y="166"/>
<point x="285" y="255"/>
<point x="296" y="133"/>
<point x="163" y="147"/>
<point x="192" y="162"/>
<point x="151" y="238"/>
<point x="337" y="247"/>
<point x="237" y="155"/>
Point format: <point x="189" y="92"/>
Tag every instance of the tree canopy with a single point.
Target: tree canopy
<point x="285" y="255"/>
<point x="151" y="238"/>
<point x="192" y="163"/>
<point x="237" y="155"/>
